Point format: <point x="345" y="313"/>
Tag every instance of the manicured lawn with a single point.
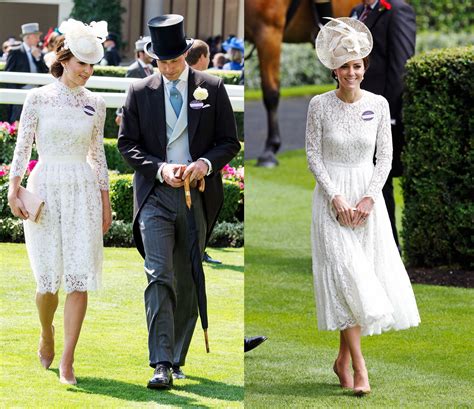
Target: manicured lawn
<point x="299" y="91"/>
<point x="112" y="357"/>
<point x="429" y="366"/>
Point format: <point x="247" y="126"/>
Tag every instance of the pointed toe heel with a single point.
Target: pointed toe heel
<point x="46" y="361"/>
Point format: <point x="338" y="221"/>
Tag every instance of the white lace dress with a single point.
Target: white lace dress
<point x="66" y="244"/>
<point x="359" y="277"/>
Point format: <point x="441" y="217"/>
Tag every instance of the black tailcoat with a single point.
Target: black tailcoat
<point x="142" y="138"/>
<point x="17" y="61"/>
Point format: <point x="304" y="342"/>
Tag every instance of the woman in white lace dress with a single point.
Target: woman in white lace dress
<point x="66" y="121"/>
<point x="361" y="284"/>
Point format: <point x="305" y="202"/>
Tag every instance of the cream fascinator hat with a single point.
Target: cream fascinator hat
<point x="341" y="40"/>
<point x="84" y="41"/>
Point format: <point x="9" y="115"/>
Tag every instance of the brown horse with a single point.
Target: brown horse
<point x="267" y="29"/>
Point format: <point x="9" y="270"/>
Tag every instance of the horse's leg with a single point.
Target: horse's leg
<point x="269" y="49"/>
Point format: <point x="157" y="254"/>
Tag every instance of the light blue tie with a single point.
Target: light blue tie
<point x="176" y="98"/>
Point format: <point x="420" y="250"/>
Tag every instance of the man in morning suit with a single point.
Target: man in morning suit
<point x="26" y="58"/>
<point x="141" y="67"/>
<point x="393" y="27"/>
<point x="173" y="118"/>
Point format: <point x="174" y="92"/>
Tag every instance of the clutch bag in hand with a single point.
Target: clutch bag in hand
<point x="33" y="204"/>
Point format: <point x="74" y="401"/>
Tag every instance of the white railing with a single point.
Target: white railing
<point x="112" y="99"/>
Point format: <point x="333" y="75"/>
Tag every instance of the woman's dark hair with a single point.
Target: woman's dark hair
<point x="366" y="62"/>
<point x="62" y="55"/>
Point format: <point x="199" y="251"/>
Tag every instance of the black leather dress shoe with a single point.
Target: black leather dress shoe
<point x="177" y="373"/>
<point x="162" y="378"/>
<point x="208" y="259"/>
<point x="253" y="342"/>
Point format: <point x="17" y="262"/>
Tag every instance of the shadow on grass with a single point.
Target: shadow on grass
<point x="236" y="268"/>
<point x="300" y="389"/>
<point x="137" y="393"/>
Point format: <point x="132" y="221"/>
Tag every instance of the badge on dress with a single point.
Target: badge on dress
<point x="368" y="115"/>
<point x="89" y="110"/>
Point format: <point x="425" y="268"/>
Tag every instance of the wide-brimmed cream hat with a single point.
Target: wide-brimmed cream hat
<point x="84" y="40"/>
<point x="341" y="40"/>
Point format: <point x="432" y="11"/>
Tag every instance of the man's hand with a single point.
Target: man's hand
<point x="169" y="175"/>
<point x="197" y="170"/>
<point x="36" y="52"/>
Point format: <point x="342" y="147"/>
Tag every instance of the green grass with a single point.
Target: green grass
<point x="299" y="91"/>
<point x="424" y="367"/>
<point x="112" y="356"/>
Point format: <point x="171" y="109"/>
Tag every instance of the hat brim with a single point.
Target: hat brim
<point x="91" y="58"/>
<point x="34" y="32"/>
<point x="149" y="50"/>
<point x="227" y="47"/>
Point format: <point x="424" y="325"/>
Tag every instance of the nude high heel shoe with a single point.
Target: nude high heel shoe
<point x="67" y="381"/>
<point x="46" y="362"/>
<point x="362" y="390"/>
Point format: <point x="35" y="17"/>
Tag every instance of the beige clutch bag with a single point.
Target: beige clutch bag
<point x="33" y="204"/>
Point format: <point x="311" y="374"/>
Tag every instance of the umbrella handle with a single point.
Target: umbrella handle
<point x="206" y="340"/>
<point x="187" y="192"/>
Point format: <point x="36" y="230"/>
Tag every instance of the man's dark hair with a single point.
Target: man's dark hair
<point x="199" y="48"/>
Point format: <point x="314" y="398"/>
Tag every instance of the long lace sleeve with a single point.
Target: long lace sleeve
<point x="26" y="136"/>
<point x="314" y="152"/>
<point x="96" y="154"/>
<point x="383" y="155"/>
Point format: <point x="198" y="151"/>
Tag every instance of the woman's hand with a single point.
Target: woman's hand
<point x="106" y="219"/>
<point x="106" y="211"/>
<point x="363" y="209"/>
<point x="16" y="205"/>
<point x="343" y="210"/>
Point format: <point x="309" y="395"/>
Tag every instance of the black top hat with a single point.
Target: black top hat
<point x="168" y="40"/>
<point x="112" y="36"/>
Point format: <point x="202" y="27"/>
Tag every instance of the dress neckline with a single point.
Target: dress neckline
<point x="74" y="91"/>
<point x="350" y="103"/>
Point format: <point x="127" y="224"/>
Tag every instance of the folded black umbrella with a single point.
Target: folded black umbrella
<point x="196" y="260"/>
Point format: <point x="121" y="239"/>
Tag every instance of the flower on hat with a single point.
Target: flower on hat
<point x="353" y="41"/>
<point x="83" y="38"/>
<point x="200" y="94"/>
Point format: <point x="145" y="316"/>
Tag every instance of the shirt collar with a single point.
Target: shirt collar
<point x="143" y="64"/>
<point x="27" y="47"/>
<point x="372" y="6"/>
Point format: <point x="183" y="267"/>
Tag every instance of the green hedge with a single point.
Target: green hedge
<point x="115" y="160"/>
<point x="445" y="15"/>
<point x="439" y="158"/>
<point x="227" y="234"/>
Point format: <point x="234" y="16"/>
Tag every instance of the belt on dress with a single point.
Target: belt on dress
<point x="348" y="165"/>
<point x="62" y="159"/>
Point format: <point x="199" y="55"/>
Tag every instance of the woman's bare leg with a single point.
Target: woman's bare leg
<point x="74" y="313"/>
<point x="361" y="377"/>
<point x="342" y="366"/>
<point x="47" y="304"/>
